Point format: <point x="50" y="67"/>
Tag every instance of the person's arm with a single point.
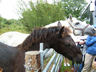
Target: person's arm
<point x="90" y="41"/>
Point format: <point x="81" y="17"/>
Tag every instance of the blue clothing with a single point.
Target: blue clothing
<point x="81" y="67"/>
<point x="91" y="45"/>
<point x="94" y="25"/>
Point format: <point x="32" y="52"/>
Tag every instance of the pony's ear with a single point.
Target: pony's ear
<point x="61" y="32"/>
<point x="64" y="31"/>
<point x="70" y="17"/>
<point x="59" y="24"/>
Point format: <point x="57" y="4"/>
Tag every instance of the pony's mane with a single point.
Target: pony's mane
<point x="43" y="34"/>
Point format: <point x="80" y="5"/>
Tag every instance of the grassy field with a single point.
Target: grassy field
<point x="13" y="27"/>
<point x="62" y="69"/>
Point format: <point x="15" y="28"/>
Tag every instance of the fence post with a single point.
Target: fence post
<point x="32" y="61"/>
<point x="41" y="55"/>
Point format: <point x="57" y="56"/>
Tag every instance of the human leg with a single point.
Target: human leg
<point x="87" y="63"/>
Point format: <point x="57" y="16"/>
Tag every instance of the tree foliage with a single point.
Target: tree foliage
<point x="73" y="7"/>
<point x="11" y="25"/>
<point x="42" y="14"/>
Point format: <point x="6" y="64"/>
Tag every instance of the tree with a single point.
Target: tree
<point x="42" y="14"/>
<point x="73" y="7"/>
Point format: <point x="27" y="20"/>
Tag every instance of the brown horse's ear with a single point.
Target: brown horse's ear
<point x="64" y="31"/>
<point x="59" y="24"/>
<point x="61" y="32"/>
<point x="70" y="17"/>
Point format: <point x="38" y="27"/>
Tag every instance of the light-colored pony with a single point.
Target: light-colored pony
<point x="13" y="38"/>
<point x="77" y="27"/>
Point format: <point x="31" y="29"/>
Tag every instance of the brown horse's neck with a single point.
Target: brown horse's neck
<point x="30" y="43"/>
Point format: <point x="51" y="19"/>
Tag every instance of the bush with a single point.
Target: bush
<point x="42" y="14"/>
<point x="12" y="25"/>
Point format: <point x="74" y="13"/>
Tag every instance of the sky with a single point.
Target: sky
<point x="8" y="8"/>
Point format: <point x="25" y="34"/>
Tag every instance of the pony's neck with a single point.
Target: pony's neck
<point x="30" y="43"/>
<point x="45" y="35"/>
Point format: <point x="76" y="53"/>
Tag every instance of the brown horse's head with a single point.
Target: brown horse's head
<point x="57" y="38"/>
<point x="65" y="45"/>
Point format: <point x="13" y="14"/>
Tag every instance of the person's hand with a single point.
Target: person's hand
<point x="81" y="42"/>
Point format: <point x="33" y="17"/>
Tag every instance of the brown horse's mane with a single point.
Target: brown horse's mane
<point x="41" y="35"/>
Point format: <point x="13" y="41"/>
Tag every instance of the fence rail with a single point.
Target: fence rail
<point x="56" y="59"/>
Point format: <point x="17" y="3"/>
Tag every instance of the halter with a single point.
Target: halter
<point x="81" y="29"/>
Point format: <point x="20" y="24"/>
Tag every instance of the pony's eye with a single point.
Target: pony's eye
<point x="77" y="23"/>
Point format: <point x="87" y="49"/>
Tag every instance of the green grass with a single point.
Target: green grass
<point x="62" y="69"/>
<point x="13" y="27"/>
<point x="65" y="68"/>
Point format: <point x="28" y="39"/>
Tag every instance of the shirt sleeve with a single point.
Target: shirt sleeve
<point x="90" y="41"/>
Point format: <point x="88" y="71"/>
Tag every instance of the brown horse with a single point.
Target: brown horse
<point x="58" y="38"/>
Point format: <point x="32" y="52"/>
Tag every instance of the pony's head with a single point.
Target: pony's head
<point x="78" y="27"/>
<point x="65" y="45"/>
